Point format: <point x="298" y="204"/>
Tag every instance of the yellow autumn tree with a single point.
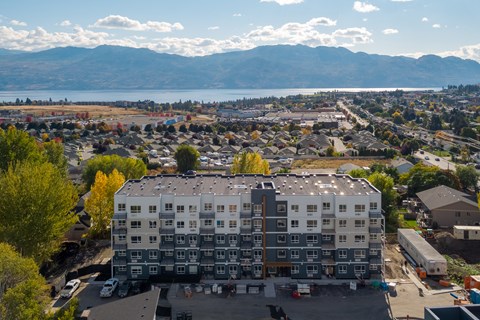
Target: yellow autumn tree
<point x="100" y="205"/>
<point x="255" y="135"/>
<point x="250" y="162"/>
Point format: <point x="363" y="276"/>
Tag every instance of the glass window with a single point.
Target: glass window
<point x="257" y="224"/>
<point x="326" y="206"/>
<point x="281" y="238"/>
<point x="221" y="269"/>
<point x="122" y="223"/>
<point x="152" y="254"/>
<point x="181" y="239"/>
<point x="208" y="237"/>
<point x="220" y="208"/>
<point x="281" y="253"/>
<point x="232" y="269"/>
<point x="358" y="254"/>
<point x="192" y="239"/>
<point x="257" y="254"/>
<point x="295" y="269"/>
<point x="232" y="255"/>
<point x="221" y="254"/>
<point x="294" y="254"/>
<point x="325" y="222"/>
<point x="135" y="224"/>
<point x="359" y="208"/>
<point x="208" y="207"/>
<point x="152" y="239"/>
<point x="153" y="269"/>
<point x="326" y="237"/>
<point x="136" y="239"/>
<point x="294" y="207"/>
<point x="294" y="223"/>
<point x="295" y="238"/>
<point x="246" y="206"/>
<point x="135" y="209"/>
<point x="312" y="238"/>
<point x="121" y="253"/>
<point x="257" y="238"/>
<point x="312" y="268"/>
<point x="246" y="222"/>
<point x="208" y="222"/>
<point x="122" y="268"/>
<point x="180" y="209"/>
<point x="342" y="208"/>
<point x="312" y="223"/>
<point x="152" y="224"/>
<point x="342" y="254"/>
<point x="312" y="254"/>
<point x="180" y="224"/>
<point x="180" y="269"/>
<point x="281" y="208"/>
<point x="122" y="207"/>
<point x="220" y="224"/>
<point x="220" y="239"/>
<point x="257" y="208"/>
<point x="232" y="208"/>
<point x="359" y="269"/>
<point x="342" y="238"/>
<point x="181" y="254"/>
<point x="192" y="224"/>
<point x="136" y="270"/>
<point x="342" y="269"/>
<point x="342" y="223"/>
<point x="232" y="224"/>
<point x="232" y="239"/>
<point x="360" y="238"/>
<point x="152" y="209"/>
<point x="311" y="208"/>
<point x="169" y="223"/>
<point x="122" y="237"/>
<point x="373" y="206"/>
<point x="281" y="223"/>
<point x="168" y="206"/>
<point x="136" y="254"/>
<point x="192" y="255"/>
<point x="359" y="223"/>
<point x="192" y="208"/>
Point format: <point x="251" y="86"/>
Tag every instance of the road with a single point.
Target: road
<point x="342" y="105"/>
<point x="430" y="159"/>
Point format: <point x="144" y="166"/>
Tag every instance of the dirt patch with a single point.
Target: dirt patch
<point x="93" y="110"/>
<point x="334" y="163"/>
<point x="394" y="262"/>
<point x="445" y="243"/>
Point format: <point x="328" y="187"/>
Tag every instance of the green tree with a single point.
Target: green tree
<point x="421" y="177"/>
<point x="469" y="133"/>
<point x="330" y="151"/>
<point x="467" y="175"/>
<point x="384" y="184"/>
<point x="358" y="173"/>
<point x="130" y="168"/>
<point x="35" y="208"/>
<point x="187" y="158"/>
<point x="54" y="154"/>
<point x="16" y="146"/>
<point x="23" y="294"/>
<point x="250" y="162"/>
<point x="99" y="204"/>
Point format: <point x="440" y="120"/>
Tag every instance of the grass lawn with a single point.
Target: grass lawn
<point x="410" y="223"/>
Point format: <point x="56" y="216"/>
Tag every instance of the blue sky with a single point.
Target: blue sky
<point x="201" y="27"/>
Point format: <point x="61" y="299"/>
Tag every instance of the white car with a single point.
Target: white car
<point x="70" y="288"/>
<point x="109" y="288"/>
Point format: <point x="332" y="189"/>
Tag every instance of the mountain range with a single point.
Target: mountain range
<point x="279" y="66"/>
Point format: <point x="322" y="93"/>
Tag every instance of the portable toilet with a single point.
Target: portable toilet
<point x="475" y="296"/>
<point x="471" y="282"/>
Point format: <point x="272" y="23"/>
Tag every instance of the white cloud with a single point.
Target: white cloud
<point x="237" y="14"/>
<point x="125" y="23"/>
<point x="355" y="35"/>
<point x="390" y="31"/>
<point x="436" y="26"/>
<point x="18" y="23"/>
<point x="364" y="7"/>
<point x="284" y="2"/>
<point x="65" y="23"/>
<point x="465" y="52"/>
<point x="365" y="19"/>
<point x="213" y="28"/>
<point x="401" y="0"/>
<point x="424" y="19"/>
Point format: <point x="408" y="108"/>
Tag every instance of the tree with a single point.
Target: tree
<point x="468" y="176"/>
<point x="54" y="154"/>
<point x="130" y="168"/>
<point x="187" y="158"/>
<point x="23" y="294"/>
<point x="435" y="123"/>
<point x="358" y="173"/>
<point x="99" y="204"/>
<point x="183" y="128"/>
<point x="35" y="208"/>
<point x="16" y="146"/>
<point x="250" y="162"/>
<point x="421" y="177"/>
<point x="384" y="184"/>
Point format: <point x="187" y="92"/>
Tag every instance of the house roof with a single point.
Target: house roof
<point x="442" y="196"/>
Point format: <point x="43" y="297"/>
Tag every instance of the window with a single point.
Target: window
<point x="295" y="238"/>
<point x="220" y="208"/>
<point x="311" y="208"/>
<point x="232" y="269"/>
<point x="208" y="223"/>
<point x="373" y="206"/>
<point x="208" y="207"/>
<point x="221" y="269"/>
<point x="232" y="255"/>
<point x="312" y="268"/>
<point x="152" y="269"/>
<point x="208" y="253"/>
<point x="358" y="254"/>
<point x="373" y="221"/>
<point x="342" y="238"/>
<point x="281" y="253"/>
<point x="247" y="237"/>
<point x="135" y="209"/>
<point x="359" y="269"/>
<point x="122" y="207"/>
<point x="326" y="237"/>
<point x="281" y="208"/>
<point x="325" y="222"/>
<point x="232" y="208"/>
<point x="257" y="238"/>
<point x="221" y="239"/>
<point x="359" y="223"/>
<point x="342" y="254"/>
<point x="294" y="254"/>
<point x="312" y="254"/>
<point x="208" y="237"/>
<point x="180" y="224"/>
<point x="373" y="252"/>
<point x="192" y="209"/>
<point x="180" y="269"/>
<point x="169" y="253"/>
<point x="257" y="224"/>
<point x="152" y="209"/>
<point x="373" y="236"/>
<point x="326" y="252"/>
<point x="295" y="269"/>
<point x="246" y="223"/>
<point x="257" y="208"/>
<point x="311" y="223"/>
<point x="152" y="224"/>
<point x="180" y="209"/>
<point x="121" y="253"/>
<point x="136" y="239"/>
<point x="152" y="239"/>
<point x="180" y="239"/>
<point x="312" y="238"/>
<point x="247" y="207"/>
<point x="192" y="224"/>
<point x="342" y="269"/>
<point x="122" y="237"/>
<point x="294" y="223"/>
<point x="232" y="224"/>
<point x="342" y="223"/>
<point x="359" y="238"/>
<point x="220" y="224"/>
<point x="281" y="223"/>
<point x="326" y="206"/>
<point x="281" y="238"/>
<point x="168" y="238"/>
<point x="136" y="270"/>
<point x="152" y="254"/>
<point x="359" y="208"/>
<point x="257" y="254"/>
<point x="168" y="223"/>
<point x="457" y="214"/>
<point x="136" y="254"/>
<point x="135" y="224"/>
<point x="122" y="223"/>
<point x="342" y="208"/>
<point x="169" y="206"/>
<point x="232" y="239"/>
<point x="181" y="255"/>
<point x="221" y="254"/>
<point x="122" y="268"/>
<point x="372" y="267"/>
<point x="294" y="207"/>
<point x="192" y="240"/>
<point x="192" y="255"/>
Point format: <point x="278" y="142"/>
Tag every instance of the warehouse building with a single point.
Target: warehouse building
<point x="248" y="226"/>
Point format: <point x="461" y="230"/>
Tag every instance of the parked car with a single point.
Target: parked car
<point x="427" y="158"/>
<point x="70" y="288"/>
<point x="109" y="288"/>
<point x="437" y="159"/>
<point x="124" y="289"/>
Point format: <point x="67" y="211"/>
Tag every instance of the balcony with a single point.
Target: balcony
<point x="245" y="215"/>
<point x="245" y="230"/>
<point x="207" y="230"/>
<point x="328" y="216"/>
<point x="328" y="230"/>
<point x="119" y="216"/>
<point x="207" y="215"/>
<point x="375" y="230"/>
<point x="119" y="246"/>
<point x="119" y="261"/>
<point x="166" y="246"/>
<point x="119" y="230"/>
<point x="375" y="215"/>
<point x="166" y="215"/>
<point x="167" y="230"/>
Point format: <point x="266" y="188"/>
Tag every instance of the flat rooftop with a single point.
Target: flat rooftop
<point x="284" y="184"/>
<point x="422" y="245"/>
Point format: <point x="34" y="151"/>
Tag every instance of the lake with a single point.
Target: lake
<point x="163" y="96"/>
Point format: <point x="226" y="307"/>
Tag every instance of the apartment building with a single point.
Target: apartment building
<point x="248" y="226"/>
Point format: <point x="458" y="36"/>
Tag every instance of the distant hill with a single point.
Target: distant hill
<point x="281" y="66"/>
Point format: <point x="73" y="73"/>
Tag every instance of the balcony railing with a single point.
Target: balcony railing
<point x="167" y="230"/>
<point x="207" y="230"/>
<point x="166" y="215"/>
<point x="119" y="230"/>
<point x="207" y="215"/>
